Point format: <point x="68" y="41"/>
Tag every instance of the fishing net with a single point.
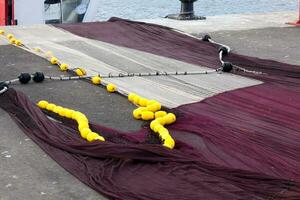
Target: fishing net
<point x="241" y="144"/>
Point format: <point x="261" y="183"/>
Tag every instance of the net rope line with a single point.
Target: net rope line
<point x="201" y="39"/>
<point x="150" y="109"/>
<point x="135" y="74"/>
<point x="176" y="73"/>
<point x="163" y="132"/>
<point x="120" y="54"/>
<point x="125" y="74"/>
<point x="42" y="54"/>
<point x="3" y="90"/>
<point x="220" y="53"/>
<point x="121" y="75"/>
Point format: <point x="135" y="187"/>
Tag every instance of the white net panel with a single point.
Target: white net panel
<point x="103" y="58"/>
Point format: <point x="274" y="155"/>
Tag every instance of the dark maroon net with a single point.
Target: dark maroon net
<point x="123" y="168"/>
<point x="242" y="144"/>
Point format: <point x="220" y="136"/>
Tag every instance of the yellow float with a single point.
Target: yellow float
<point x="80" y="72"/>
<point x="96" y="80"/>
<point x="111" y="88"/>
<point x="54" y="61"/>
<point x="82" y="121"/>
<point x="18" y="42"/>
<point x="63" y="67"/>
<point x="10" y="36"/>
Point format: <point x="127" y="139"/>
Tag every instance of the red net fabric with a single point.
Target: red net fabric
<point x="242" y="144"/>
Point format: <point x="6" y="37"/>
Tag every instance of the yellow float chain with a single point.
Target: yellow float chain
<point x="151" y="110"/>
<point x="80" y="118"/>
<point x="147" y="109"/>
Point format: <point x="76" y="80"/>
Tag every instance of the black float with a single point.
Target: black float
<point x="38" y="77"/>
<point x="24" y="78"/>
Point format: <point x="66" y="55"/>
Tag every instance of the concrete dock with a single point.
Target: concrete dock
<point x="260" y="35"/>
<point x="26" y="172"/>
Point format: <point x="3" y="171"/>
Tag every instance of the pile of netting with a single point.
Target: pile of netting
<point x="242" y="144"/>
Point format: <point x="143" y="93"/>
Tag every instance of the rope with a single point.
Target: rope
<point x="238" y="68"/>
<point x="121" y="75"/>
<point x="201" y="39"/>
<point x="221" y="57"/>
<point x="225" y="67"/>
<point x="221" y="53"/>
<point x="3" y="90"/>
<point x="220" y="44"/>
<point x="176" y="73"/>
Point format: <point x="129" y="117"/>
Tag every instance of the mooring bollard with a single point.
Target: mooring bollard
<point x="186" y="12"/>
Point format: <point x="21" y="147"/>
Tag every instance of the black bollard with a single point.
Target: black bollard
<point x="186" y="12"/>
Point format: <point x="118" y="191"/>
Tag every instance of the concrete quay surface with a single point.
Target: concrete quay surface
<point x="263" y="35"/>
<point x="234" y="22"/>
<point x="26" y="172"/>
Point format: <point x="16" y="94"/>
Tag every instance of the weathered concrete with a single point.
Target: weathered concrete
<point x="277" y="43"/>
<point x="26" y="172"/>
<point x="99" y="105"/>
<point x="264" y="35"/>
<point x="233" y="22"/>
<point x="102" y="58"/>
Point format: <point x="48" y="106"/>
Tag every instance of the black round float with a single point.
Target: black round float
<point x="38" y="77"/>
<point x="227" y="67"/>
<point x="224" y="50"/>
<point x="24" y="78"/>
<point x="206" y="38"/>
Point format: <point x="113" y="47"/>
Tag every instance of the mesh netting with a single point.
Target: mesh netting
<point x="242" y="144"/>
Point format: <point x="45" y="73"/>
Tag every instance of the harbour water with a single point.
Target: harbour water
<point x="151" y="9"/>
